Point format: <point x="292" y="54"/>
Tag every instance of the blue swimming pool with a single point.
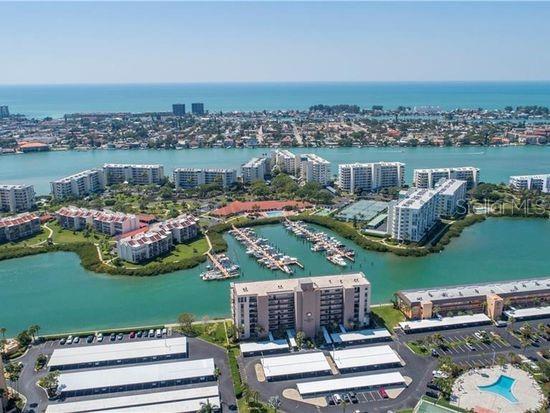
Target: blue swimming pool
<point x="272" y="214"/>
<point x="502" y="387"/>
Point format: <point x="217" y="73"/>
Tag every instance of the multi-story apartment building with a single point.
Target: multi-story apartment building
<point x="188" y="178"/>
<point x="115" y="223"/>
<point x="356" y="177"/>
<point x="197" y="108"/>
<point x="313" y="168"/>
<point x="255" y="170"/>
<point x="145" y="246"/>
<point x="16" y="198"/>
<point x="182" y="228"/>
<point x="4" y="111"/>
<point x="74" y="218"/>
<point x="411" y="218"/>
<point x="427" y="178"/>
<point x="491" y="298"/>
<point x="178" y="109"/>
<point x="451" y="194"/>
<point x="79" y="185"/>
<point x="133" y="174"/>
<point x="285" y="161"/>
<point x="533" y="182"/>
<point x="18" y="227"/>
<point x="302" y="304"/>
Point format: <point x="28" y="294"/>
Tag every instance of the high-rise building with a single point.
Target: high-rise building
<point x="413" y="217"/>
<point x="255" y="170"/>
<point x="188" y="178"/>
<point x="133" y="174"/>
<point x="197" y="108"/>
<point x="16" y="198"/>
<point x="427" y="178"/>
<point x="356" y="177"/>
<point x="451" y="194"/>
<point x="4" y="111"/>
<point x="285" y="161"/>
<point x="313" y="168"/>
<point x="302" y="304"/>
<point x="178" y="109"/>
<point x="532" y="182"/>
<point x="79" y="185"/>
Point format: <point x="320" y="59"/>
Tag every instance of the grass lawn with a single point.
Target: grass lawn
<point x="65" y="236"/>
<point x="184" y="251"/>
<point x="387" y="316"/>
<point x="213" y="332"/>
<point x="42" y="236"/>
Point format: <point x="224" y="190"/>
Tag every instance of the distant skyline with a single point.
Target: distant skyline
<point x="193" y="42"/>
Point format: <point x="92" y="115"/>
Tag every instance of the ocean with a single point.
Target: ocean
<point x="39" y="101"/>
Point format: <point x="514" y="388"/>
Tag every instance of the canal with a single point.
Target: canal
<point x="55" y="292"/>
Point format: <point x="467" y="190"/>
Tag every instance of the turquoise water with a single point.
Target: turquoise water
<point x="54" y="291"/>
<point x="502" y="387"/>
<point x="272" y="214"/>
<point x="496" y="164"/>
<point x="57" y="100"/>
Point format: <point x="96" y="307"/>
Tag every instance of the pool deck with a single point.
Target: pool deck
<point x="467" y="395"/>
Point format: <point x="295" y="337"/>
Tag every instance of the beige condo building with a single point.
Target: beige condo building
<point x="301" y="304"/>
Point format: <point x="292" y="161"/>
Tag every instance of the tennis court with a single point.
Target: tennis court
<point x="363" y="210"/>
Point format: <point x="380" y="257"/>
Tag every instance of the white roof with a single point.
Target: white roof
<point x="360" y="335"/>
<point x="364" y="357"/>
<point x="528" y="312"/>
<point x="295" y="364"/>
<point x="122" y="376"/>
<point x="348" y="383"/>
<point x="258" y="346"/>
<point x="444" y="322"/>
<point x="134" y="400"/>
<point x="118" y="351"/>
<point x="186" y="406"/>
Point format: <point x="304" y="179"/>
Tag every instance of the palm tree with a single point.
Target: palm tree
<point x="207" y="407"/>
<point x="275" y="403"/>
<point x="246" y="392"/>
<point x="3" y="331"/>
<point x="33" y="330"/>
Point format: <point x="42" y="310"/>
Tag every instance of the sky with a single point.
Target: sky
<point x="154" y="42"/>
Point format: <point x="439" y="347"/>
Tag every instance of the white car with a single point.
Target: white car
<point x="438" y="374"/>
<point x="99" y="337"/>
<point x="158" y="333"/>
<point x="151" y="333"/>
<point x="76" y="340"/>
<point x="164" y="331"/>
<point x="478" y="335"/>
<point x="70" y="340"/>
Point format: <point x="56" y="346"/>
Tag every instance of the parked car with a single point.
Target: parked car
<point x="112" y="337"/>
<point x="337" y="398"/>
<point x="164" y="331"/>
<point x="434" y="353"/>
<point x="432" y="394"/>
<point x="346" y="397"/>
<point x="432" y="385"/>
<point x="478" y="335"/>
<point x="99" y="337"/>
<point x="70" y="340"/>
<point x="139" y="333"/>
<point x="76" y="340"/>
<point x="133" y="334"/>
<point x="90" y="339"/>
<point x="120" y="336"/>
<point x="158" y="333"/>
<point x="151" y="333"/>
<point x="353" y="397"/>
<point x="63" y="341"/>
<point x="470" y="347"/>
<point x="330" y="401"/>
<point x="383" y="393"/>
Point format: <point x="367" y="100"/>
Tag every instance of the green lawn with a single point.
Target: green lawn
<point x="185" y="251"/>
<point x="42" y="236"/>
<point x="213" y="332"/>
<point x="387" y="316"/>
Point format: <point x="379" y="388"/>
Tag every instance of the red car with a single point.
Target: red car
<point x="383" y="393"/>
<point x="132" y="334"/>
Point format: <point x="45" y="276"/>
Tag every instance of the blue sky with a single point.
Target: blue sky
<point x="250" y="42"/>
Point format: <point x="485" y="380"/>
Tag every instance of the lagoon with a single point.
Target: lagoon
<point x="54" y="291"/>
<point x="496" y="163"/>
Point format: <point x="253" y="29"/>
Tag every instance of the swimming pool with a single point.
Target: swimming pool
<point x="272" y="214"/>
<point x="502" y="387"/>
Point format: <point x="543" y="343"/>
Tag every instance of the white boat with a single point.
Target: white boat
<point x="337" y="259"/>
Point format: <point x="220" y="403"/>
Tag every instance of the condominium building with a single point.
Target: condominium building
<point x="18" y="227"/>
<point x="178" y="109"/>
<point x="427" y="178"/>
<point x="115" y="223"/>
<point x="285" y="161"/>
<point x="533" y="182"/>
<point x="197" y="108"/>
<point x="133" y="174"/>
<point x="4" y="111"/>
<point x="451" y="196"/>
<point x="106" y="222"/>
<point x="490" y="298"/>
<point x="313" y="168"/>
<point x="356" y="177"/>
<point x="411" y="218"/>
<point x="144" y="246"/>
<point x="255" y="170"/>
<point x="188" y="178"/>
<point x="182" y="228"/>
<point x="302" y="304"/>
<point x="16" y="198"/>
<point x="79" y="185"/>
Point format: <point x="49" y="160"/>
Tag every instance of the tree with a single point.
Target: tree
<point x="3" y="331"/>
<point x="13" y="371"/>
<point x="500" y="360"/>
<point x="185" y="320"/>
<point x="207" y="407"/>
<point x="33" y="330"/>
<point x="50" y="382"/>
<point x="300" y="339"/>
<point x="275" y="403"/>
<point x="24" y="338"/>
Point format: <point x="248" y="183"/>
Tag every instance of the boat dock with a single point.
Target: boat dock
<point x="266" y="254"/>
<point x="335" y="251"/>
<point x="223" y="269"/>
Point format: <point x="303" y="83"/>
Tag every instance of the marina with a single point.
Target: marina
<point x="222" y="268"/>
<point x="266" y="254"/>
<point x="335" y="251"/>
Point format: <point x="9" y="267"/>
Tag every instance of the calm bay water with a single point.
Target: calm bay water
<point x="54" y="291"/>
<point x="56" y="100"/>
<point x="496" y="164"/>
